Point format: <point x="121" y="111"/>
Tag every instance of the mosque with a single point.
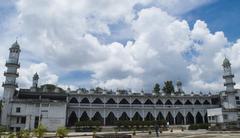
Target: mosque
<point x="54" y="107"/>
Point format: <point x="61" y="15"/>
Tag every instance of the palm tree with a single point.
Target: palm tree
<point x="40" y="131"/>
<point x="61" y="132"/>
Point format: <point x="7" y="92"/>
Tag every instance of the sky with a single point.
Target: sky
<point x="127" y="44"/>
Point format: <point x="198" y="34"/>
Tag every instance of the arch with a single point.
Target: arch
<point x="188" y="102"/>
<point x="73" y="100"/>
<point x="111" y="119"/>
<point x="159" y="102"/>
<point x="178" y="102"/>
<point x="170" y="118"/>
<point x="97" y="101"/>
<point x="197" y="102"/>
<point x="137" y="117"/>
<point x="84" y="116"/>
<point x="179" y="119"/>
<point x="72" y="120"/>
<point x="97" y="117"/>
<point x="149" y="117"/>
<point x="85" y="100"/>
<point x="160" y="116"/>
<point x="124" y="117"/>
<point x="206" y="118"/>
<point x="136" y="101"/>
<point x="199" y="118"/>
<point x="123" y="101"/>
<point x="206" y="102"/>
<point x="148" y="101"/>
<point x="189" y="118"/>
<point x="168" y="102"/>
<point x="111" y="101"/>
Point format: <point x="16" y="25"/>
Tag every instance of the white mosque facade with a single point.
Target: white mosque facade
<point x="54" y="107"/>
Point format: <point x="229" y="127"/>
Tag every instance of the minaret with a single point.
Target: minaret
<point x="35" y="82"/>
<point x="228" y="76"/>
<point x="179" y="87"/>
<point x="10" y="84"/>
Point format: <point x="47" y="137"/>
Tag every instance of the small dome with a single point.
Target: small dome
<point x="226" y="62"/>
<point x="35" y="76"/>
<point x="179" y="83"/>
<point x="15" y="45"/>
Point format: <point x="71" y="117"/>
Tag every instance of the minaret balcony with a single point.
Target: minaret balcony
<point x="229" y="83"/>
<point x="11" y="74"/>
<point x="12" y="63"/>
<point x="9" y="84"/>
<point x="228" y="76"/>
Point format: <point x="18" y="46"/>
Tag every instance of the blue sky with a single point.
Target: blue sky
<point x="124" y="44"/>
<point x="221" y="15"/>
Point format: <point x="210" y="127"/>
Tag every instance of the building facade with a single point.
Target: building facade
<point x="54" y="107"/>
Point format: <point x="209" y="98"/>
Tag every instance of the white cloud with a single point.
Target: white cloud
<point x="63" y="36"/>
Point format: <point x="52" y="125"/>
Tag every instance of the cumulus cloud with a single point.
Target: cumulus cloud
<point x="59" y="36"/>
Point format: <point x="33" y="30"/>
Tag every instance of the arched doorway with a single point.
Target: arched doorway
<point x="124" y="117"/>
<point x="189" y="118"/>
<point x="188" y="102"/>
<point x="97" y="101"/>
<point x="159" y="102"/>
<point x="111" y="101"/>
<point x="170" y="118"/>
<point x="85" y="101"/>
<point x="136" y="101"/>
<point x="148" y="102"/>
<point x="160" y="116"/>
<point x="197" y="102"/>
<point x="199" y="118"/>
<point x="168" y="102"/>
<point x="98" y="117"/>
<point x="137" y="117"/>
<point x="206" y="102"/>
<point x="149" y="117"/>
<point x="72" y="120"/>
<point x="179" y="119"/>
<point x="111" y="119"/>
<point x="206" y="118"/>
<point x="73" y="100"/>
<point x="84" y="116"/>
<point x="123" y="101"/>
<point x="178" y="102"/>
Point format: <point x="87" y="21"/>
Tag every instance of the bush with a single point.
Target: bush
<point x="40" y="131"/>
<point x="88" y="126"/>
<point x="23" y="134"/>
<point x="198" y="126"/>
<point x="61" y="132"/>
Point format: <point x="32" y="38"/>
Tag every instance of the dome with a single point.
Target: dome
<point x="15" y="45"/>
<point x="35" y="76"/>
<point x="179" y="83"/>
<point x="226" y="62"/>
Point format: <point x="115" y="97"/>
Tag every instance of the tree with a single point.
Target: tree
<point x="156" y="88"/>
<point x="1" y="105"/>
<point x="168" y="87"/>
<point x="40" y="131"/>
<point x="61" y="132"/>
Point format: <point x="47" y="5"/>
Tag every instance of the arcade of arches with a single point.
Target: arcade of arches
<point x="111" y="118"/>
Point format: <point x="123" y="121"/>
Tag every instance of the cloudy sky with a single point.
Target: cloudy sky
<point x="122" y="43"/>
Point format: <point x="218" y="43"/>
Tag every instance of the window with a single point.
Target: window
<point x="209" y="118"/>
<point x="237" y="97"/>
<point x="23" y="120"/>
<point x="18" y="120"/>
<point x="213" y="117"/>
<point x="225" y="117"/>
<point x="18" y="110"/>
<point x="238" y="102"/>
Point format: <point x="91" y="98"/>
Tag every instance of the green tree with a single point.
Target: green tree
<point x="23" y="134"/>
<point x="156" y="88"/>
<point x="61" y="132"/>
<point x="168" y="87"/>
<point x="1" y="105"/>
<point x="40" y="131"/>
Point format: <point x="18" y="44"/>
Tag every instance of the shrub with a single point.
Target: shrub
<point x="61" y="132"/>
<point x="40" y="131"/>
<point x="198" y="126"/>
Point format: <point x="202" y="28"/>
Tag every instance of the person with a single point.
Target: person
<point x="157" y="129"/>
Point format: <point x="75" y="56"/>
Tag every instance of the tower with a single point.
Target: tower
<point x="35" y="82"/>
<point x="228" y="76"/>
<point x="179" y="87"/>
<point x="10" y="84"/>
